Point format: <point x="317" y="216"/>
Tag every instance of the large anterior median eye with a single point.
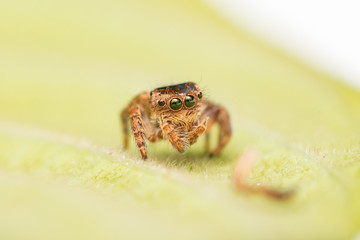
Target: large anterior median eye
<point x="175" y="104"/>
<point x="189" y="101"/>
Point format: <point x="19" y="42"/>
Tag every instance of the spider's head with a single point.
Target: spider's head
<point x="176" y="100"/>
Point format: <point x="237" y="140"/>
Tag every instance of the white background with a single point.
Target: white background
<point x="323" y="33"/>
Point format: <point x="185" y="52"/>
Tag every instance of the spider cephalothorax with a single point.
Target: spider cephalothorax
<point x="176" y="112"/>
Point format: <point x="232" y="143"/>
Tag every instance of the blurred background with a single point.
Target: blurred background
<point x="60" y="59"/>
<point x="286" y="72"/>
<point x="322" y="33"/>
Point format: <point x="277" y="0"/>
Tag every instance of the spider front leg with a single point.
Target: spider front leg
<point x="217" y="114"/>
<point x="138" y="130"/>
<point x="197" y="132"/>
<point x="173" y="137"/>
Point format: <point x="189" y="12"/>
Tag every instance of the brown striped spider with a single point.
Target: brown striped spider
<point x="177" y="113"/>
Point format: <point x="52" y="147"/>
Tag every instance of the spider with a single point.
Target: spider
<point x="177" y="113"/>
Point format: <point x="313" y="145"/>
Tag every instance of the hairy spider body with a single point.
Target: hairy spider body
<point x="177" y="113"/>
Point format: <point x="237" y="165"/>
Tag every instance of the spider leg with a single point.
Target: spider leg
<point x="207" y="142"/>
<point x="173" y="137"/>
<point x="124" y="115"/>
<point x="199" y="130"/>
<point x="218" y="114"/>
<point x="150" y="131"/>
<point x="138" y="130"/>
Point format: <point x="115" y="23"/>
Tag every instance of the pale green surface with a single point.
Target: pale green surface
<point x="70" y="66"/>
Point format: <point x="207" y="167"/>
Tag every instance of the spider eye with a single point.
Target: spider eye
<point x="200" y="95"/>
<point x="161" y="103"/>
<point x="175" y="104"/>
<point x="189" y="101"/>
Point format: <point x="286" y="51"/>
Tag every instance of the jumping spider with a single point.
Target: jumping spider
<point x="177" y="113"/>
